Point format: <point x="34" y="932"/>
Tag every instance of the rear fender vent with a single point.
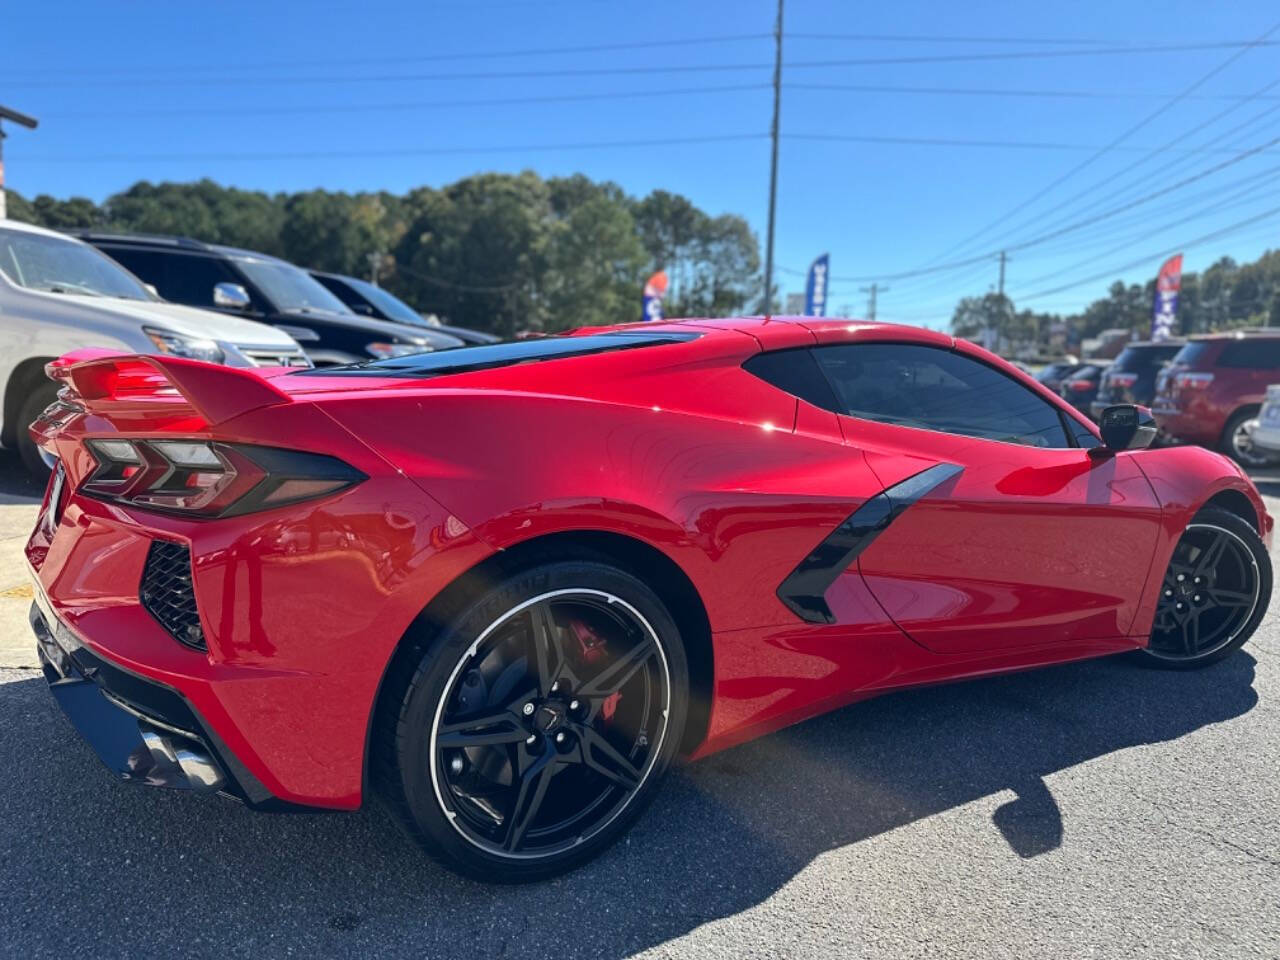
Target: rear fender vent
<point x="168" y="595"/>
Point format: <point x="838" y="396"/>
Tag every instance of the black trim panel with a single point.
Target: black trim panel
<point x="804" y="590"/>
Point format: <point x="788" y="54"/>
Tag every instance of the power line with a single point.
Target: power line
<point x="1053" y="234"/>
<point x="1168" y="148"/>
<point x="406" y="105"/>
<point x="1037" y="54"/>
<point x="429" y="58"/>
<point x="1014" y="92"/>
<point x="1149" y="118"/>
<point x="240" y="79"/>
<point x="399" y="152"/>
<point x="998" y="144"/>
<point x="941" y="38"/>
<point x="604" y="144"/>
<point x="1153" y="257"/>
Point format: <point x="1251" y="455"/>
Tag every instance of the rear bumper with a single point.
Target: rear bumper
<point x="1266" y="437"/>
<point x="143" y="731"/>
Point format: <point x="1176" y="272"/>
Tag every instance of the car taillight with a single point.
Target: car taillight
<point x="1192" y="381"/>
<point x="1124" y="380"/>
<point x="209" y="479"/>
<point x="1079" y="386"/>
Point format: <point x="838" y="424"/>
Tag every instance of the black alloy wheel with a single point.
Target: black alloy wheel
<point x="1214" y="593"/>
<point x="530" y="743"/>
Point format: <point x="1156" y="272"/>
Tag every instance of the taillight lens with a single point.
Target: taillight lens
<point x="1192" y="381"/>
<point x="208" y="479"/>
<point x="1079" y="386"/>
<point x="1123" y="380"/>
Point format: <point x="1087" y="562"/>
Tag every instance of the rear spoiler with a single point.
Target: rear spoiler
<point x="102" y="379"/>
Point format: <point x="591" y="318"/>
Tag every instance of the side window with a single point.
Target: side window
<point x="190" y="280"/>
<point x="936" y="389"/>
<point x="143" y="264"/>
<point x="796" y="372"/>
<point x="1262" y="353"/>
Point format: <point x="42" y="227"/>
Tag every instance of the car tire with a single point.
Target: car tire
<point x="489" y="810"/>
<point x="1237" y="445"/>
<point x="31" y="408"/>
<point x="1227" y="596"/>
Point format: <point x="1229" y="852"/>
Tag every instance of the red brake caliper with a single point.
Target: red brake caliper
<point x="591" y="650"/>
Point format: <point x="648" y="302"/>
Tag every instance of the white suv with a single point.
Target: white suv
<point x="58" y="294"/>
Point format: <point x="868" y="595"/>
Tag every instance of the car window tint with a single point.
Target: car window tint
<point x="1262" y="353"/>
<point x="796" y="372"/>
<point x="191" y="280"/>
<point x="936" y="389"/>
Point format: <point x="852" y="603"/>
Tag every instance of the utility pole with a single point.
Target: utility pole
<point x="988" y="338"/>
<point x="773" y="166"/>
<point x="375" y="266"/>
<point x="23" y="121"/>
<point x="871" y="292"/>
<point x="1004" y="257"/>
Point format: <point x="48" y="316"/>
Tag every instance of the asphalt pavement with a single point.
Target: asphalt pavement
<point x="1096" y="809"/>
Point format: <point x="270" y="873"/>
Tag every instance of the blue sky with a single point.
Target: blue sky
<point x="287" y="96"/>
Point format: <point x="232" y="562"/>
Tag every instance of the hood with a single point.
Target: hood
<point x="388" y="330"/>
<point x="190" y="321"/>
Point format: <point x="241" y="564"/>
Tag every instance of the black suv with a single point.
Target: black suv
<point x="1132" y="377"/>
<point x="264" y="288"/>
<point x="364" y="298"/>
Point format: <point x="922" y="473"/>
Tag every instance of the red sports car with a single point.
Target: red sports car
<point x="503" y="587"/>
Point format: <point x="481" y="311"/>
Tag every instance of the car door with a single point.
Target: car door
<point x="1005" y="532"/>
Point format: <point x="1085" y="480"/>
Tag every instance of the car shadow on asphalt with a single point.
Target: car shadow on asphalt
<point x="16" y="484"/>
<point x="133" y="868"/>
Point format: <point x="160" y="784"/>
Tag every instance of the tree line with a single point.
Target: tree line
<point x="510" y="252"/>
<point x="1226" y="296"/>
<point x="496" y="252"/>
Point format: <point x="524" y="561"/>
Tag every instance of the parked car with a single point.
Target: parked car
<point x="1215" y="386"/>
<point x="1052" y="375"/>
<point x="465" y="334"/>
<point x="363" y="297"/>
<point x="1081" y="387"/>
<point x="506" y="586"/>
<point x="1264" y="432"/>
<point x="1131" y="378"/>
<point x="58" y="294"/>
<point x="261" y="287"/>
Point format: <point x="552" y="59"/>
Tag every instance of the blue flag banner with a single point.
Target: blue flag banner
<point x="1165" y="308"/>
<point x="815" y="288"/>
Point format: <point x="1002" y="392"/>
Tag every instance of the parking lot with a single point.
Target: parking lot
<point x="1097" y="809"/>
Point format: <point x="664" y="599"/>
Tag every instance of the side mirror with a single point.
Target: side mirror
<point x="1126" y="426"/>
<point x="230" y="296"/>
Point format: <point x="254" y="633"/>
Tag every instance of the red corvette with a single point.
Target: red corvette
<point x="504" y="587"/>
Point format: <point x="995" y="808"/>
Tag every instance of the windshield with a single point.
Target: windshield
<point x="1136" y="359"/>
<point x="392" y="306"/>
<point x="1192" y="353"/>
<point x="290" y="289"/>
<point x="57" y="265"/>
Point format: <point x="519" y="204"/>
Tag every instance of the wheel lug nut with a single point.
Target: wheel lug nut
<point x="530" y="740"/>
<point x="1178" y="605"/>
<point x="574" y="704"/>
<point x="555" y="687"/>
<point x="1168" y="593"/>
<point x="1181" y="577"/>
<point x="528" y="709"/>
<point x="455" y="765"/>
<point x="1196" y="598"/>
<point x="560" y="737"/>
